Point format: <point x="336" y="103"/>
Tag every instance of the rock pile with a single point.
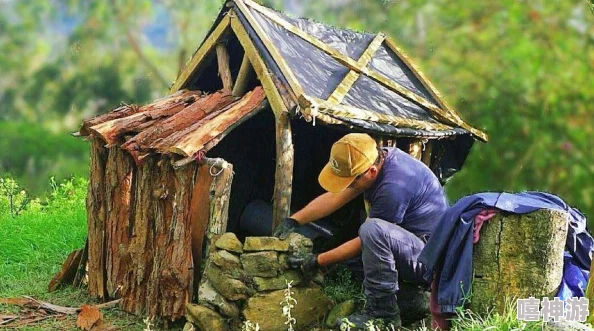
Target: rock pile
<point x="247" y="282"/>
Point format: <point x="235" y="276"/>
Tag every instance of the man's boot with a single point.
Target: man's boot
<point x="381" y="311"/>
<point x="413" y="303"/>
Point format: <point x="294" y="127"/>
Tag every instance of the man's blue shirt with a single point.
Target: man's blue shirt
<point x="406" y="193"/>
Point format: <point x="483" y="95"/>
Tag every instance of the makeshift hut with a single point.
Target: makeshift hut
<point x="252" y="116"/>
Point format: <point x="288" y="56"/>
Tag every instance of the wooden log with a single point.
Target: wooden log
<point x="81" y="271"/>
<point x="219" y="200"/>
<point x="96" y="213"/>
<point x="245" y="75"/>
<point x="119" y="182"/>
<point x="195" y="140"/>
<point x="416" y="149"/>
<point x="518" y="256"/>
<point x="127" y="110"/>
<point x="166" y="144"/>
<point x="426" y="156"/>
<point x="283" y="177"/>
<point x="224" y="70"/>
<point x="199" y="216"/>
<point x="68" y="272"/>
<point x="143" y="142"/>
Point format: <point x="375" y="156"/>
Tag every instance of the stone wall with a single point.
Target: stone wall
<point x="247" y="282"/>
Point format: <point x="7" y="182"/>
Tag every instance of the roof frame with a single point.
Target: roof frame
<point x="445" y="115"/>
<point x="198" y="58"/>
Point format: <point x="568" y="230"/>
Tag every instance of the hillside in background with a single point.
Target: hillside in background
<point x="519" y="70"/>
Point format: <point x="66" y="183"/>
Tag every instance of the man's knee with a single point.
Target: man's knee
<point x="370" y="229"/>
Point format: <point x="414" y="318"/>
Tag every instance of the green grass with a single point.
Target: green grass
<point x="33" y="246"/>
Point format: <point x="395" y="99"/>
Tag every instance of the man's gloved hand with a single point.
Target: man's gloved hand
<point x="308" y="263"/>
<point x="287" y="226"/>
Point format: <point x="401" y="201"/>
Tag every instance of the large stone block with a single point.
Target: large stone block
<point x="265" y="309"/>
<point x="228" y="241"/>
<point x="279" y="282"/>
<point x="225" y="260"/>
<point x="205" y="318"/>
<point x="262" y="264"/>
<point x="207" y="294"/>
<point x="518" y="256"/>
<point x="299" y="244"/>
<point x="227" y="286"/>
<point x="253" y="244"/>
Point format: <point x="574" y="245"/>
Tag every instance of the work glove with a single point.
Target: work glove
<point x="308" y="263"/>
<point x="287" y="226"/>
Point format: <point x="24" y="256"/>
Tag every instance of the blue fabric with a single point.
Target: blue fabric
<point x="451" y="250"/>
<point x="406" y="193"/>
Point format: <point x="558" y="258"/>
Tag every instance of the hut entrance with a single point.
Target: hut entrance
<point x="250" y="148"/>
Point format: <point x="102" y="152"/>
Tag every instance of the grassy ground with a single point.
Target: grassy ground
<point x="35" y="241"/>
<point x="33" y="246"/>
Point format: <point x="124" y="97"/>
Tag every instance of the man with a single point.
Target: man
<point x="404" y="201"/>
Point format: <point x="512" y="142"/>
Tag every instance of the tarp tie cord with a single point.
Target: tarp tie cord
<point x="199" y="157"/>
<point x="223" y="166"/>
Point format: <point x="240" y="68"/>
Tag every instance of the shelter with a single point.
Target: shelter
<point x="252" y="116"/>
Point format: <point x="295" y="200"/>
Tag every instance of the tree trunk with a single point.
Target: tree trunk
<point x="518" y="256"/>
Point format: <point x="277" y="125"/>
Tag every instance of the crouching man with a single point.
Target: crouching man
<point x="404" y="201"/>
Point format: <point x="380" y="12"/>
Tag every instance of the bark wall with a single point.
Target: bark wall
<point x="140" y="231"/>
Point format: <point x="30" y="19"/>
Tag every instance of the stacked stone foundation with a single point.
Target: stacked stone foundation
<point x="247" y="282"/>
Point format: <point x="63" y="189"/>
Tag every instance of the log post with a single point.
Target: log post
<point x="416" y="149"/>
<point x="224" y="70"/>
<point x="96" y="214"/>
<point x="518" y="256"/>
<point x="245" y="75"/>
<point x="284" y="169"/>
<point x="426" y="157"/>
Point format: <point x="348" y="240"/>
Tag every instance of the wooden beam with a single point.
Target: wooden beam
<point x="283" y="177"/>
<point x="324" y="107"/>
<point x="443" y="115"/>
<point x="224" y="70"/>
<point x="246" y="72"/>
<point x="343" y="88"/>
<point x="207" y="46"/>
<point x="199" y="216"/>
<point x="276" y="55"/>
<point x="262" y="72"/>
<point x="416" y="149"/>
<point x="426" y="158"/>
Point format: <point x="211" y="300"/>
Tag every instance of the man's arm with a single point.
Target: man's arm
<point x="341" y="253"/>
<point x="325" y="205"/>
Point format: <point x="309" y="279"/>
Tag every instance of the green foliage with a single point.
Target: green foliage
<point x="36" y="241"/>
<point x="340" y="285"/>
<point x="32" y="155"/>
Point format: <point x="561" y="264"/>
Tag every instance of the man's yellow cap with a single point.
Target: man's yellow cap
<point x="350" y="156"/>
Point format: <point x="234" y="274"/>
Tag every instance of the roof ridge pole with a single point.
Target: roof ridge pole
<point x="278" y="58"/>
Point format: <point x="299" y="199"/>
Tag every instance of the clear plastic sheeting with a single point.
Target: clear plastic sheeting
<point x="366" y="93"/>
<point x="317" y="73"/>
<point x="386" y="62"/>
